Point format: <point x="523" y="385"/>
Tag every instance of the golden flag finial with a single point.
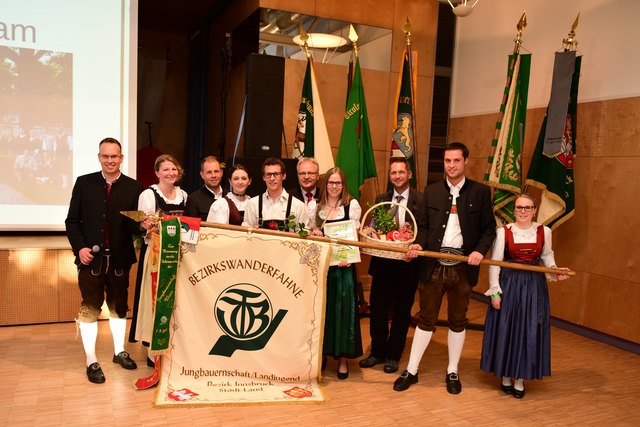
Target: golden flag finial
<point x="570" y="42"/>
<point x="353" y="36"/>
<point x="407" y="31"/>
<point x="304" y="37"/>
<point x="522" y="24"/>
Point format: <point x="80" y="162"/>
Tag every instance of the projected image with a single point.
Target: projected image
<point x="36" y="141"/>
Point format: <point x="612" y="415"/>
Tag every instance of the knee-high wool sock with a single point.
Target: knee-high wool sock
<point x="420" y="342"/>
<point x="89" y="334"/>
<point x="118" y="328"/>
<point x="455" y="342"/>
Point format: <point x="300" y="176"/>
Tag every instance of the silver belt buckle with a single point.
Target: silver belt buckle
<point x="450" y="262"/>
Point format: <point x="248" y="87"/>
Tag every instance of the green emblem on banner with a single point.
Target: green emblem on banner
<point x="245" y="314"/>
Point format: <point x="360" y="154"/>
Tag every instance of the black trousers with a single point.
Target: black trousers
<point x="393" y="290"/>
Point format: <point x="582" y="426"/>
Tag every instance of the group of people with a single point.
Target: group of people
<point x="453" y="216"/>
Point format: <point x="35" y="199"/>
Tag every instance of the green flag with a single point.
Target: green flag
<point x="355" y="154"/>
<point x="504" y="165"/>
<point x="403" y="142"/>
<point x="312" y="138"/>
<point x="553" y="173"/>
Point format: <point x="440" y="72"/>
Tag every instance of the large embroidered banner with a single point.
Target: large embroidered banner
<point x="247" y="323"/>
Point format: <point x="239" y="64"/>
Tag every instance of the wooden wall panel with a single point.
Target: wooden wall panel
<point x="41" y="286"/>
<point x="370" y="12"/>
<point x="29" y="286"/>
<point x="601" y="241"/>
<point x="68" y="291"/>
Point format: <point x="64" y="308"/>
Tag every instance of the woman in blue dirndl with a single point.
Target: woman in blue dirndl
<point x="517" y="335"/>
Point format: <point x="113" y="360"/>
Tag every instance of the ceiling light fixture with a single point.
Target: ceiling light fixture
<point x="320" y="40"/>
<point x="462" y="9"/>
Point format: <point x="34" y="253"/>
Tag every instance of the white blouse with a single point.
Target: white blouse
<point x="528" y="235"/>
<point x="219" y="210"/>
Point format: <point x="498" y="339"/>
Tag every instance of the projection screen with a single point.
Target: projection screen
<point x="67" y="80"/>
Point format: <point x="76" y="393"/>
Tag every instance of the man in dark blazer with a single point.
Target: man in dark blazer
<point x="456" y="217"/>
<point x="394" y="283"/>
<point x="199" y="202"/>
<point x="101" y="239"/>
<point x="308" y="173"/>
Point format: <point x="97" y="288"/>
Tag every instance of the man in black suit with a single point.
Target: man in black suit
<point x="456" y="217"/>
<point x="308" y="173"/>
<point x="199" y="202"/>
<point x="394" y="281"/>
<point x="101" y="239"/>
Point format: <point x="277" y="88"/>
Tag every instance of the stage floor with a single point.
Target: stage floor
<point x="42" y="370"/>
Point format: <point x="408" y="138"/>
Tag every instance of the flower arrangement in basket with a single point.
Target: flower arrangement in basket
<point x="382" y="228"/>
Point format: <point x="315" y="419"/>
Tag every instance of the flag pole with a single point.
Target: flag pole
<point x="407" y="35"/>
<point x="522" y="24"/>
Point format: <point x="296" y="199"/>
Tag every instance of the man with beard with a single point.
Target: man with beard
<point x="456" y="216"/>
<point x="199" y="202"/>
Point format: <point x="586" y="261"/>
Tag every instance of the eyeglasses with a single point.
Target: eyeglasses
<point x="307" y="173"/>
<point x="110" y="157"/>
<point x="271" y="174"/>
<point x="525" y="208"/>
<point x="334" y="184"/>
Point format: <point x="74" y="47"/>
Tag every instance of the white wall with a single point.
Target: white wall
<point x="608" y="35"/>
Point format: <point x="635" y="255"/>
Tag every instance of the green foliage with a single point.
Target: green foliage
<point x="382" y="220"/>
<point x="292" y="226"/>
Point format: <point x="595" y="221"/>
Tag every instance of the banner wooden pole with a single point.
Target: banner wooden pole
<point x="384" y="247"/>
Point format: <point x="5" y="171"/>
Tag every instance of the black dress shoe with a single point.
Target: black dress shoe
<point x="343" y="375"/>
<point x="124" y="360"/>
<point x="95" y="374"/>
<point x="454" y="386"/>
<point x="370" y="362"/>
<point x="518" y="394"/>
<point x="404" y="381"/>
<point x="390" y="366"/>
<point x="507" y="389"/>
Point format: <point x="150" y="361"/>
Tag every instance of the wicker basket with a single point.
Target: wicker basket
<point x="396" y="244"/>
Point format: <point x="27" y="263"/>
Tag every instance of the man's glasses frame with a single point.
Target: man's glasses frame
<point x="268" y="175"/>
<point x="110" y="157"/>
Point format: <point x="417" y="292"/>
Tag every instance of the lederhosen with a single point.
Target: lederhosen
<point x="235" y="215"/>
<point x="272" y="224"/>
